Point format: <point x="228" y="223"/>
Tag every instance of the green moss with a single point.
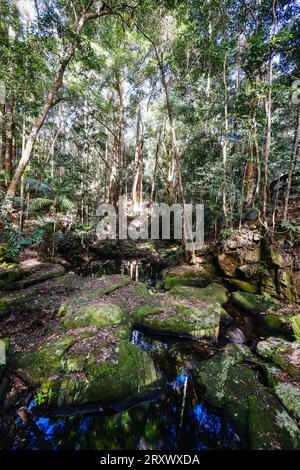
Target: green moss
<point x="270" y="426"/>
<point x="48" y="360"/>
<point x="9" y="272"/>
<point x="295" y="321"/>
<point x="251" y="409"/>
<point x="243" y="285"/>
<point x="141" y="289"/>
<point x="213" y="293"/>
<point x="253" y="303"/>
<point x="15" y="303"/>
<point x="127" y="371"/>
<point x="144" y="311"/>
<point x="281" y="353"/>
<point x="101" y="315"/>
<point x="188" y="276"/>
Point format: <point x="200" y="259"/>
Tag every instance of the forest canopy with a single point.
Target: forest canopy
<point x="160" y="101"/>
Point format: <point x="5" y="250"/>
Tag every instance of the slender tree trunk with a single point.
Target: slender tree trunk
<point x="52" y="98"/>
<point x="293" y="166"/>
<point x="1" y="134"/>
<point x="8" y="158"/>
<point x="225" y="141"/>
<point x="153" y="186"/>
<point x="137" y="186"/>
<point x="268" y="111"/>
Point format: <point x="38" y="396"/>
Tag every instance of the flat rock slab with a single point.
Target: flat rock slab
<point x="187" y="275"/>
<point x="35" y="273"/>
<point x="282" y="353"/>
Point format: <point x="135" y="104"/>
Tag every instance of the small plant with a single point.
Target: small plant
<point x="45" y="396"/>
<point x="292" y="228"/>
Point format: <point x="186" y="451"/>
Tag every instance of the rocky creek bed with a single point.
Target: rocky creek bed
<point x="107" y="363"/>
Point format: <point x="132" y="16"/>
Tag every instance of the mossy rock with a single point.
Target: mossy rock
<point x="36" y="366"/>
<point x="229" y="263"/>
<point x="180" y="319"/>
<point x="211" y="375"/>
<point x="42" y="273"/>
<point x="111" y="371"/>
<point x="253" y="303"/>
<point x="187" y="321"/>
<point x="283" y="321"/>
<point x="9" y="272"/>
<point x="143" y="311"/>
<point x="141" y="289"/>
<point x="16" y="303"/>
<point x="270" y="426"/>
<point x="251" y="408"/>
<point x="282" y="353"/>
<point x="82" y="313"/>
<point x="186" y="275"/>
<point x="244" y="286"/>
<point x="214" y="293"/>
<point x="295" y="321"/>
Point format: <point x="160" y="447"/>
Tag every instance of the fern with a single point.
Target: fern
<point x="65" y="204"/>
<point x="40" y="203"/>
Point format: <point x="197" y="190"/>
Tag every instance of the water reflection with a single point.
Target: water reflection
<point x="137" y="269"/>
<point x="179" y="420"/>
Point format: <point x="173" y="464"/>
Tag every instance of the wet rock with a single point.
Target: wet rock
<point x="282" y="353"/>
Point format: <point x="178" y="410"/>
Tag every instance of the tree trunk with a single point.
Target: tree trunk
<point x="137" y="185"/>
<point x="52" y="98"/>
<point x="8" y="156"/>
<point x="225" y="141"/>
<point x="293" y="166"/>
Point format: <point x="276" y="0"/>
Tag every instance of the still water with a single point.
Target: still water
<point x="178" y="420"/>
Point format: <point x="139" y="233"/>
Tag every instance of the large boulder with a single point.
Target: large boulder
<point x="229" y="263"/>
<point x="88" y="365"/>
<point x="252" y="409"/>
<point x="187" y="320"/>
<point x="284" y="388"/>
<point x="48" y="295"/>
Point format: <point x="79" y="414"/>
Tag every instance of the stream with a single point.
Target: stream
<point x="177" y="419"/>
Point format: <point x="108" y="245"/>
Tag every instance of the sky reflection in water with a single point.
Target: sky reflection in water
<point x="171" y="423"/>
